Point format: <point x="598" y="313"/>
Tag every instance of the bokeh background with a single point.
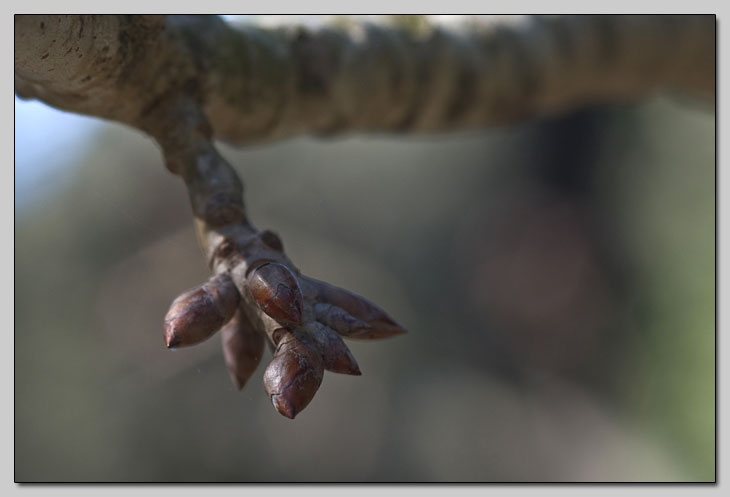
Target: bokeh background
<point x="556" y="276"/>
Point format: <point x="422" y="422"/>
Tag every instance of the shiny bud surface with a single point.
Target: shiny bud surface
<point x="198" y="313"/>
<point x="295" y="373"/>
<point x="276" y="291"/>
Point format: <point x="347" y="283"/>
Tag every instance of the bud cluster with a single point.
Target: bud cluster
<point x="305" y="319"/>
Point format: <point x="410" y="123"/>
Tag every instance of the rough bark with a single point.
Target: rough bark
<point x="186" y="80"/>
<point x="258" y="84"/>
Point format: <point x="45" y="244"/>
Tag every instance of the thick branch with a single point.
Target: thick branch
<point x="258" y="84"/>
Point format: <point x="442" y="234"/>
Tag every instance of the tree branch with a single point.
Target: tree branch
<point x="258" y="84"/>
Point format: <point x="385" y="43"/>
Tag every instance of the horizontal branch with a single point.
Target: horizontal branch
<point x="263" y="84"/>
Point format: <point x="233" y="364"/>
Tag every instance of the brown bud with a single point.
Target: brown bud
<point x="337" y="357"/>
<point x="276" y="291"/>
<point x="198" y="313"/>
<point x="243" y="348"/>
<point x="294" y="375"/>
<point x="339" y="320"/>
<point x="379" y="324"/>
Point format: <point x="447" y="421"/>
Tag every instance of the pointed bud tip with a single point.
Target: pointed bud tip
<point x="344" y="364"/>
<point x="353" y="372"/>
<point x="238" y="383"/>
<point x="284" y="406"/>
<point x="397" y="330"/>
<point x="172" y="340"/>
<point x="200" y="312"/>
<point x="391" y="328"/>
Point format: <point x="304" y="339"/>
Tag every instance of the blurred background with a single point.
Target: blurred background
<point x="557" y="278"/>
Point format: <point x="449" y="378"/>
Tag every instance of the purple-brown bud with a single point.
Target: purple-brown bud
<point x="243" y="348"/>
<point x="337" y="357"/>
<point x="346" y="312"/>
<point x="198" y="313"/>
<point x="295" y="374"/>
<point x="276" y="291"/>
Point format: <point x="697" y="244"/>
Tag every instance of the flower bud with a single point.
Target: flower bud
<point x="337" y="357"/>
<point x="243" y="348"/>
<point x="295" y="374"/>
<point x="276" y="291"/>
<point x="347" y="310"/>
<point x="198" y="313"/>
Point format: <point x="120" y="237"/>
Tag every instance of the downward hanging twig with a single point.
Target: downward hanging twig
<point x="256" y="292"/>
